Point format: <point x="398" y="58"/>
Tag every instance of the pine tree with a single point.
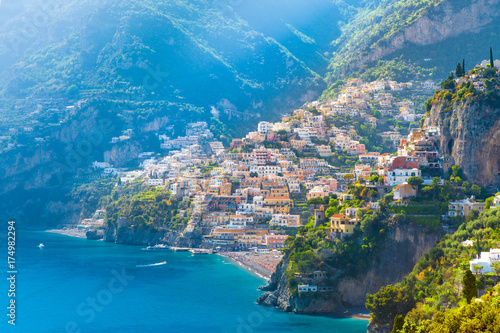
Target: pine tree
<point x="469" y="286"/>
<point x="458" y="71"/>
<point x="492" y="63"/>
<point x="463" y="66"/>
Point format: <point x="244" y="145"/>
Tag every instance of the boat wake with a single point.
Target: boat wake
<point x="151" y="265"/>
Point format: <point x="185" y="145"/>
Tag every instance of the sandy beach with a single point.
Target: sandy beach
<point x="69" y="232"/>
<point x="263" y="265"/>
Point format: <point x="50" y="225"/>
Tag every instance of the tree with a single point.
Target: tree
<point x="492" y="63"/>
<point x="449" y="83"/>
<point x="389" y="302"/>
<point x="478" y="247"/>
<point x="415" y="181"/>
<point x="488" y="203"/>
<point x="496" y="267"/>
<point x="459" y="71"/>
<point x="398" y="324"/>
<point x="330" y="211"/>
<point x="490" y="84"/>
<point x="477" y="269"/>
<point x="463" y="66"/>
<point x="469" y="286"/>
<point x="348" y="177"/>
<point x="315" y="201"/>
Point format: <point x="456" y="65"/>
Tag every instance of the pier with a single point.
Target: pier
<point x="192" y="250"/>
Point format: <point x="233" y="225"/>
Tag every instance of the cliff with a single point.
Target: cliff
<point x="404" y="246"/>
<point x="470" y="132"/>
<point x="151" y="236"/>
<point x="447" y="20"/>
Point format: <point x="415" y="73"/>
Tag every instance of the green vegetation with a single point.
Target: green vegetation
<point x="469" y="285"/>
<point x="140" y="207"/>
<point x="452" y="95"/>
<point x="441" y="281"/>
<point x="312" y="249"/>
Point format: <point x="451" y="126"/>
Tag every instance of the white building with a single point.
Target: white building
<point x="264" y="127"/>
<point x="496" y="201"/>
<point x="464" y="207"/>
<point x="285" y="220"/>
<point x="400" y="176"/>
<point x="264" y="170"/>
<point x="486" y="260"/>
<point x="156" y="182"/>
<point x="239" y="221"/>
<point x="305" y="288"/>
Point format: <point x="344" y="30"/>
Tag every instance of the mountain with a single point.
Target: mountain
<point x="257" y="56"/>
<point x="145" y="65"/>
<point x="417" y="39"/>
<point x="142" y="65"/>
<point x="467" y="112"/>
<point x="434" y="299"/>
<point x="398" y="250"/>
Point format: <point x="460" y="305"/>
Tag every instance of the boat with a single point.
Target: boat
<point x="41" y="246"/>
<point x="159" y="248"/>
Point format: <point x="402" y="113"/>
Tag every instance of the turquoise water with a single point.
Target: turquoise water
<point x="75" y="285"/>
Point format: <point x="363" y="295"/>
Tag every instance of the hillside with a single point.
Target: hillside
<point x="467" y="112"/>
<point x="257" y="58"/>
<point x="430" y="36"/>
<point x="434" y="289"/>
<point x="148" y="65"/>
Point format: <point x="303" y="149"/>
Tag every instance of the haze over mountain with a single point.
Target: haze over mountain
<point x="144" y="64"/>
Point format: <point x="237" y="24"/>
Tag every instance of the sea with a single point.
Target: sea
<point x="76" y="285"/>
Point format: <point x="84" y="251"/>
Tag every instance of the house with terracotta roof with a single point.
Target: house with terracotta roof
<point x="404" y="191"/>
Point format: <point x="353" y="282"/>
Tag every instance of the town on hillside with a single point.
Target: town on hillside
<point x="256" y="192"/>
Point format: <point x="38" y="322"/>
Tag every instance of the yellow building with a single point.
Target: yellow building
<point x="213" y="189"/>
<point x="279" y="192"/>
<point x="343" y="225"/>
<point x="252" y="237"/>
<point x="215" y="219"/>
<point x="225" y="189"/>
<point x="278" y="201"/>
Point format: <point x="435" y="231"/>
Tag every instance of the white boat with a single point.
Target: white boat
<point x="159" y="247"/>
<point x="41" y="246"/>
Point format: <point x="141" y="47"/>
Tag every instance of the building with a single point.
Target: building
<point x="369" y="157"/>
<point x="264" y="127"/>
<point x="324" y="150"/>
<point x="486" y="260"/>
<point x="403" y="191"/>
<point x="253" y="237"/>
<point x="305" y="288"/>
<point x="496" y="201"/>
<point x="224" y="203"/>
<point x="275" y="241"/>
<point x="215" y="219"/>
<point x="400" y="176"/>
<point x="342" y="225"/>
<point x="239" y="221"/>
<point x="464" y="207"/>
<point x="156" y="182"/>
<point x="285" y="220"/>
<point x="313" y="164"/>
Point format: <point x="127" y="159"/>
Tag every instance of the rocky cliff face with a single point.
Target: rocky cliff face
<point x="405" y="245"/>
<point x="137" y="236"/>
<point x="470" y="132"/>
<point x="445" y="21"/>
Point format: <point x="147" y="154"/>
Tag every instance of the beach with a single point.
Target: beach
<point x="262" y="264"/>
<point x="69" y="232"/>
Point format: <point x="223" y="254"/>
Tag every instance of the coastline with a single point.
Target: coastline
<point x="69" y="232"/>
<point x="262" y="265"/>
